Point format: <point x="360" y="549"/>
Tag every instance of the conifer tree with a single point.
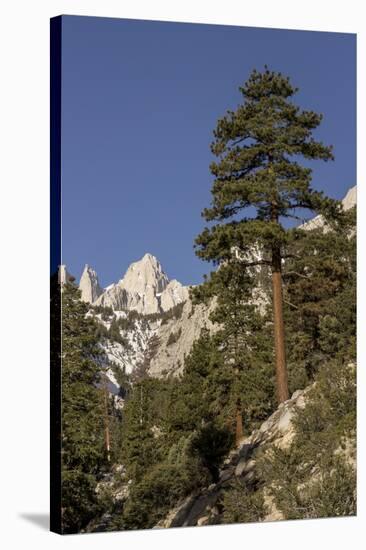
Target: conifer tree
<point x="320" y="298"/>
<point x="259" y="183"/>
<point x="83" y="446"/>
<point x="139" y="448"/>
<point x="197" y="399"/>
<point x="242" y="342"/>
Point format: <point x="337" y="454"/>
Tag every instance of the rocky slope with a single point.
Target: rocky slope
<point x="146" y="290"/>
<point x="159" y="344"/>
<point x="300" y="463"/>
<point x="176" y="338"/>
<point x="322" y="486"/>
<point x="203" y="507"/>
<point x="131" y="350"/>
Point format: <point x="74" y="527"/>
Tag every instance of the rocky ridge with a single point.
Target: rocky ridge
<point x="145" y="288"/>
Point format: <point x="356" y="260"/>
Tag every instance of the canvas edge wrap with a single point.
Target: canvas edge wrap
<point x="55" y="262"/>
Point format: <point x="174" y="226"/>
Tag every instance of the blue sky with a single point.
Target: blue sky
<point x="140" y="100"/>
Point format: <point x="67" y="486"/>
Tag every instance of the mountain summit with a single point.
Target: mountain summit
<point x="145" y="277"/>
<point x="144" y="288"/>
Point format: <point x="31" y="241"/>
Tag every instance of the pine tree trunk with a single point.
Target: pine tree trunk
<point x="279" y="328"/>
<point x="239" y="425"/>
<point x="106" y="424"/>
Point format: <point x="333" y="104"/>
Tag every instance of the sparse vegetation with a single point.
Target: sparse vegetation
<point x="242" y="503"/>
<point x="316" y="477"/>
<point x="173" y="313"/>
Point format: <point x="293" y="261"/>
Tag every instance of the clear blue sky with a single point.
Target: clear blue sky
<point x="140" y="101"/>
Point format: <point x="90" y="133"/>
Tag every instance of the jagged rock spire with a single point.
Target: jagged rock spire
<point x="89" y="285"/>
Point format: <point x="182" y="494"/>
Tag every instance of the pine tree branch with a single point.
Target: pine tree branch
<point x="296" y="273"/>
<point x="240" y="140"/>
<point x="290" y="304"/>
<point x="254" y="264"/>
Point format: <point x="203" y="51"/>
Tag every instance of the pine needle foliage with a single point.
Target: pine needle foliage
<point x="259" y="183"/>
<point x="83" y="452"/>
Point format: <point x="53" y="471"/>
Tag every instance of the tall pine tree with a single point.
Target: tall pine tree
<point x="320" y="298"/>
<point x="83" y="414"/>
<point x="242" y="341"/>
<point x="259" y="183"/>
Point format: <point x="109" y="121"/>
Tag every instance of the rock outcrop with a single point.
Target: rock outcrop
<point x="173" y="294"/>
<point x="89" y="285"/>
<point x="148" y="341"/>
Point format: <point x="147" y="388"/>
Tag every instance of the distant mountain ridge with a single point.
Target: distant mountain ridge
<point x="145" y="288"/>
